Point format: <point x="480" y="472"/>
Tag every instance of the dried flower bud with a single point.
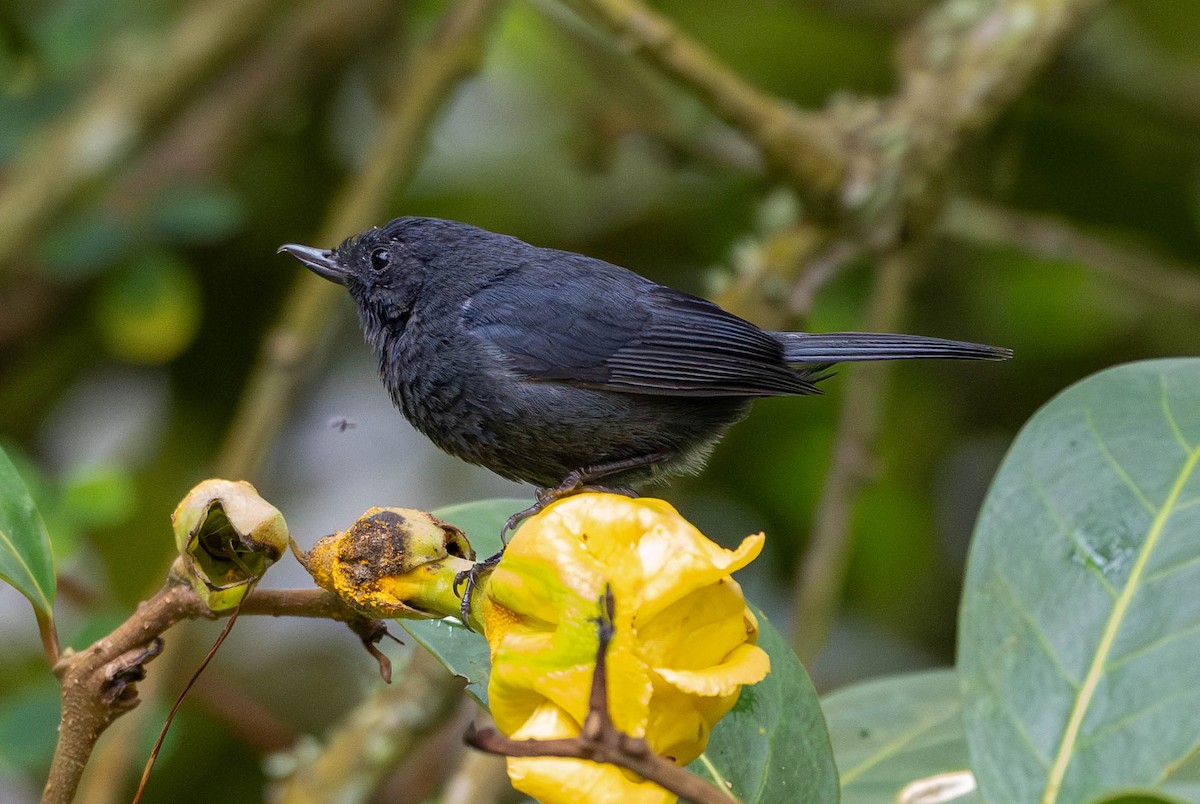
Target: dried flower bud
<point x="394" y="562"/>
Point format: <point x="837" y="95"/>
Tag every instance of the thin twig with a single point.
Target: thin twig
<point x="1167" y="281"/>
<point x="599" y="739"/>
<point x="179" y="699"/>
<point x="48" y="631"/>
<point x="802" y="146"/>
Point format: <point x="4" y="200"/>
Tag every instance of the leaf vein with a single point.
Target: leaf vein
<point x="1163" y="641"/>
<point x="1171" y="569"/>
<point x="1125" y="720"/>
<point x="1036" y="628"/>
<point x="893" y="746"/>
<point x="1071" y="535"/>
<point x="1119" y="470"/>
<point x="41" y="593"/>
<point x="1170" y="416"/>
<point x="1016" y="720"/>
<point x="1083" y="698"/>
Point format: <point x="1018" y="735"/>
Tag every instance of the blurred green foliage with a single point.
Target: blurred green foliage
<point x="165" y="259"/>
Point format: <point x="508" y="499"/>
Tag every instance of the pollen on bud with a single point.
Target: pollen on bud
<point x="393" y="562"/>
<point x="227" y="536"/>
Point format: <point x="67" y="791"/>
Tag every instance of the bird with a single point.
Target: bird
<point x="565" y="371"/>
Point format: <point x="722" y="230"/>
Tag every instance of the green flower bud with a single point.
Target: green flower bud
<point x="227" y="536"/>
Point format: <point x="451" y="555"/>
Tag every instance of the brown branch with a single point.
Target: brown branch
<point x="601" y="741"/>
<point x="1164" y="280"/>
<point x="821" y="574"/>
<point x="961" y="66"/>
<point x="877" y="163"/>
<point x="99" y="682"/>
<point x="802" y="146"/>
<point x="452" y="54"/>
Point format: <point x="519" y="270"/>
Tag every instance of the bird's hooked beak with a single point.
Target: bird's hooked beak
<point x="322" y="262"/>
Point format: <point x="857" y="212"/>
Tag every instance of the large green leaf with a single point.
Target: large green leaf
<point x="892" y="732"/>
<point x="773" y="745"/>
<point x="26" y="560"/>
<point x="1079" y="634"/>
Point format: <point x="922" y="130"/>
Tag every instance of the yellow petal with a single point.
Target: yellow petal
<point x="680" y="723"/>
<point x="697" y="631"/>
<point x="747" y="664"/>
<point x="557" y="666"/>
<point x="676" y="564"/>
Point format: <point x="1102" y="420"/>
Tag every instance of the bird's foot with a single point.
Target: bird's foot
<point x="576" y="482"/>
<point x="573" y="484"/>
<point x="472" y="579"/>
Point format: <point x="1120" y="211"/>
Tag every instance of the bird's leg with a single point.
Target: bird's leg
<point x="581" y="480"/>
<point x="576" y="482"/>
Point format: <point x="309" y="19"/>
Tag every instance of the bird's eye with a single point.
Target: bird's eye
<point x="380" y="258"/>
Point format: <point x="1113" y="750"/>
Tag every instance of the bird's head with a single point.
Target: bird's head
<point x="387" y="267"/>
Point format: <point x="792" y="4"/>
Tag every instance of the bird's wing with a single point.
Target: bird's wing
<point x="597" y="325"/>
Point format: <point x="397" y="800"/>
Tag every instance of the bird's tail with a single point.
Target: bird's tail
<point x="843" y="347"/>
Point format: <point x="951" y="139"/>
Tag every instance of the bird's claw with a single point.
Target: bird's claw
<point x="575" y="483"/>
<point x="472" y="579"/>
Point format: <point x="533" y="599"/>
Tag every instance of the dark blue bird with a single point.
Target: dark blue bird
<point x="543" y="365"/>
<point x="566" y="371"/>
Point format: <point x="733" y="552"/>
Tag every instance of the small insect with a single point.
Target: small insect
<point x="341" y="423"/>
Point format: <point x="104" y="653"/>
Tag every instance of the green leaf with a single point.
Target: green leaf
<point x="26" y="560"/>
<point x="1080" y="625"/>
<point x="892" y="732"/>
<point x="773" y="745"/>
<point x="464" y="652"/>
<point x="1139" y="797"/>
<point x="1183" y="780"/>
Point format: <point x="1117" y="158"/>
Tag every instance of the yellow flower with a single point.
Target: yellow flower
<point x="682" y="649"/>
